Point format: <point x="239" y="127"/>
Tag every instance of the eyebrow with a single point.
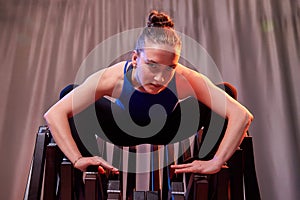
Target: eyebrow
<point x="152" y="61"/>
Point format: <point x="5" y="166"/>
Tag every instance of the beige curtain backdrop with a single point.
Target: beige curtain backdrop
<point x="254" y="43"/>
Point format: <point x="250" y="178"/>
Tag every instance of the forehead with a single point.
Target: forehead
<point x="162" y="47"/>
<point x="158" y="54"/>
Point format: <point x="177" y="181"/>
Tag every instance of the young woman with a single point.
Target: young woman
<point x="153" y="75"/>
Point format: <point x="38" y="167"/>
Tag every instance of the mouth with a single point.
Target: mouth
<point x="157" y="86"/>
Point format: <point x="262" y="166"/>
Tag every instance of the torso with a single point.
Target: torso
<point x="139" y="103"/>
<point x="132" y="109"/>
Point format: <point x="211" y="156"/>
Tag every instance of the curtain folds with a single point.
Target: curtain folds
<point x="254" y="44"/>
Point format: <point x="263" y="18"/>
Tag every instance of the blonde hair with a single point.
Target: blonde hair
<point x="159" y="30"/>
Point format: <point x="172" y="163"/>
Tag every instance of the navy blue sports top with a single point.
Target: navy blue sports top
<point x="132" y="118"/>
<point x="131" y="110"/>
<point x="139" y="103"/>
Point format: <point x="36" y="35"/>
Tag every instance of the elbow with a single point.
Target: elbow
<point x="241" y="117"/>
<point x="55" y="115"/>
<point x="48" y="116"/>
<point x="52" y="115"/>
<point x="247" y="119"/>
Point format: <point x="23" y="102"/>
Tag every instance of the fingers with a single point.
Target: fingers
<point x="96" y="160"/>
<point x="185" y="170"/>
<point x="101" y="170"/>
<point x="103" y="164"/>
<point x="181" y="166"/>
<point x="202" y="167"/>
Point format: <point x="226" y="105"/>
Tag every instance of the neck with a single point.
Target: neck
<point x="135" y="81"/>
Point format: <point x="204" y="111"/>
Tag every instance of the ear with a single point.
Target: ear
<point x="134" y="58"/>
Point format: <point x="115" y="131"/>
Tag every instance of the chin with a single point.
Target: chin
<point x="154" y="90"/>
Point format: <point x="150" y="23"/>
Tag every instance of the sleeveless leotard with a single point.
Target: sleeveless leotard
<point x="138" y="105"/>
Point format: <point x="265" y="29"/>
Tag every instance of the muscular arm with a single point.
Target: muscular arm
<point x="74" y="102"/>
<point x="239" y="119"/>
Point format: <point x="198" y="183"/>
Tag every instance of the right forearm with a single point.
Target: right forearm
<point x="60" y="130"/>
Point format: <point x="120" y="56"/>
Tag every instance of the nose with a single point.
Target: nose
<point x="159" y="77"/>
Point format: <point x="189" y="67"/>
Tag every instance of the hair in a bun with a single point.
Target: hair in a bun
<point x="159" y="30"/>
<point x="157" y="19"/>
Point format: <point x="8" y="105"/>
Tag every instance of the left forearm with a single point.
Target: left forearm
<point x="238" y="124"/>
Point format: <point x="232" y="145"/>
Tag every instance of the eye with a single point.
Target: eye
<point x="169" y="69"/>
<point x="153" y="65"/>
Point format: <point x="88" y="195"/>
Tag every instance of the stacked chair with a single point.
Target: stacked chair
<point x="52" y="175"/>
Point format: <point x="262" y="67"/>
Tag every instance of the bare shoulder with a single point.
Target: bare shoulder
<point x="108" y="81"/>
<point x="187" y="72"/>
<point x="188" y="81"/>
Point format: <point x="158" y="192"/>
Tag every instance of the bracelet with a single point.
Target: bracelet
<point x="77" y="160"/>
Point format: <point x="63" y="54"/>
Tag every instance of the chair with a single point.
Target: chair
<point x="54" y="176"/>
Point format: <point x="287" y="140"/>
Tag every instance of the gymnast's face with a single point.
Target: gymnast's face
<point x="154" y="68"/>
